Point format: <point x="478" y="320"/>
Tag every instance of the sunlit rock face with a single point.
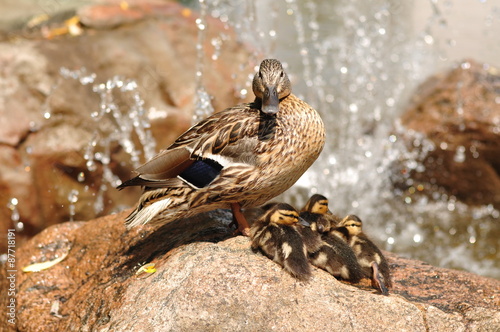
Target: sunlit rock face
<point x="458" y="114"/>
<point x="80" y="111"/>
<point x="207" y="279"/>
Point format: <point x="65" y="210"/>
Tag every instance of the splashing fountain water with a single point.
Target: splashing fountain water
<point x="128" y="121"/>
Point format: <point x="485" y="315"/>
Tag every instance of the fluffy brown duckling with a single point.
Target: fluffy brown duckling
<point x="369" y="256"/>
<point x="316" y="212"/>
<point x="327" y="252"/>
<point x="334" y="256"/>
<point x="277" y="234"/>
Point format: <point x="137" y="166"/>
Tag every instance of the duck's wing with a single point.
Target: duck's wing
<point x="225" y="138"/>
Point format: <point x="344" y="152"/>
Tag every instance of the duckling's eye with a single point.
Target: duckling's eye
<point x="282" y="74"/>
<point x="260" y="75"/>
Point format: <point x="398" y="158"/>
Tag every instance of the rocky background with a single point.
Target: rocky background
<point x="110" y="41"/>
<point x="458" y="112"/>
<point x="205" y="279"/>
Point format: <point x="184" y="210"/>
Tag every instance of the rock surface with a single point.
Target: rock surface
<point x="151" y="42"/>
<point x="458" y="115"/>
<point x="207" y="280"/>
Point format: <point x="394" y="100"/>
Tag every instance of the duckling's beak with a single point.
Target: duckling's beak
<point x="303" y="222"/>
<point x="270" y="100"/>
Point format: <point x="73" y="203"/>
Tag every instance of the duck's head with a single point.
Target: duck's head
<point x="353" y="224"/>
<point x="284" y="214"/>
<point x="317" y="204"/>
<point x="270" y="85"/>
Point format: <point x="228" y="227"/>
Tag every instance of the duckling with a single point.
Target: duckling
<point x="335" y="256"/>
<point x="278" y="236"/>
<point x="369" y="256"/>
<point x="237" y="158"/>
<point x="316" y="213"/>
<point x="327" y="252"/>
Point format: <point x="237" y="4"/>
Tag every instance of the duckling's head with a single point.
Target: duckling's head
<point x="283" y="214"/>
<point x="352" y="223"/>
<point x="271" y="84"/>
<point x="316" y="204"/>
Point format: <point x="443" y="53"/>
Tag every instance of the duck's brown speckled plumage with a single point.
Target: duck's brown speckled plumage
<point x="261" y="153"/>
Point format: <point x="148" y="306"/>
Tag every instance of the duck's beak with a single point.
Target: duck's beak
<point x="270" y="100"/>
<point x="303" y="222"/>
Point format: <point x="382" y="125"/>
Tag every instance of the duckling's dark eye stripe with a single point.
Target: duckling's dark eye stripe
<point x="290" y="215"/>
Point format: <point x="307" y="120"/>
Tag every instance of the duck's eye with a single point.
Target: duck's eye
<point x="282" y="74"/>
<point x="260" y="75"/>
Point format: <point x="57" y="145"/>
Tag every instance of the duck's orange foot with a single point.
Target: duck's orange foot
<point x="240" y="220"/>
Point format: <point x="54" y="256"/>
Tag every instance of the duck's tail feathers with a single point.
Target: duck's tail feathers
<point x="161" y="205"/>
<point x="144" y="214"/>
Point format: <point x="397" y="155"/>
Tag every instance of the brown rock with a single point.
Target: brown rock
<point x="458" y="113"/>
<point x="150" y="42"/>
<point x="208" y="280"/>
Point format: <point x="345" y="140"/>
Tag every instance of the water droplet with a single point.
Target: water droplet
<point x="19" y="226"/>
<point x="81" y="177"/>
<point x="459" y="156"/>
<point x="15" y="215"/>
<point x="417" y="238"/>
<point x="465" y="65"/>
<point x="91" y="166"/>
<point x="73" y="196"/>
<point x="429" y="39"/>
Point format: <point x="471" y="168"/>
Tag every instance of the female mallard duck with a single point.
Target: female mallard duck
<point x="277" y="234"/>
<point x="316" y="213"/>
<point x="369" y="256"/>
<point x="239" y="157"/>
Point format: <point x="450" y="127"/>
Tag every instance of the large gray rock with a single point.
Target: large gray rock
<point x="207" y="280"/>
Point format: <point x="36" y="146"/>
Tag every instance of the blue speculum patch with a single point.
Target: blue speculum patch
<point x="201" y="172"/>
